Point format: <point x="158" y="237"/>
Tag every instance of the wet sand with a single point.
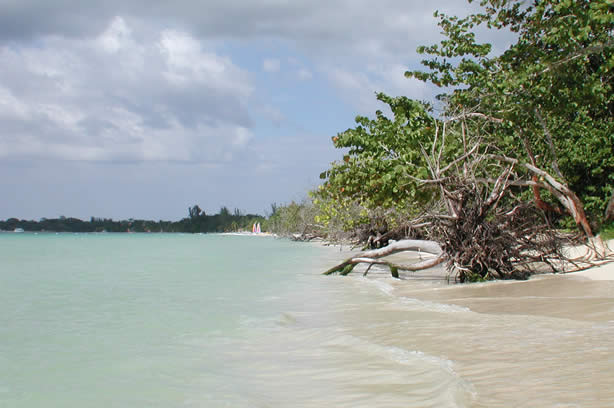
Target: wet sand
<point x="573" y="296"/>
<point x="545" y="342"/>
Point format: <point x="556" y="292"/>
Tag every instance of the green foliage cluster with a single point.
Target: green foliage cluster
<point x="607" y="232"/>
<point x="381" y="152"/>
<point x="317" y="217"/>
<point x="552" y="88"/>
<point x="338" y="213"/>
<point x="547" y="101"/>
<point x="376" y="182"/>
<point x="292" y="219"/>
<point x="70" y="224"/>
<point x="224" y="221"/>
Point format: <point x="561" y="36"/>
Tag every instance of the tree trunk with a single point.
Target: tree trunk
<point x="609" y="211"/>
<point x="539" y="203"/>
<point x="566" y="197"/>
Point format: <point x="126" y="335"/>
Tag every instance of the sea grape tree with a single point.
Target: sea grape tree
<point x="548" y="96"/>
<point x="519" y="129"/>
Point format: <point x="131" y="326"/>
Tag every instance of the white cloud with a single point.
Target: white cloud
<point x="11" y="107"/>
<point x="354" y="87"/>
<point x="115" y="36"/>
<point x="183" y="53"/>
<point x="271" y="113"/>
<point x="111" y="97"/>
<point x="146" y="80"/>
<point x="317" y="23"/>
<point x="241" y="136"/>
<point x="358" y="88"/>
<point x="304" y="74"/>
<point x="271" y="65"/>
<point x="188" y="64"/>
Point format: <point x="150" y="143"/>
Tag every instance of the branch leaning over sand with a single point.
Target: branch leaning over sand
<point x="374" y="257"/>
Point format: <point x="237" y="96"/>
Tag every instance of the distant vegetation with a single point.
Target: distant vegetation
<point x="197" y="221"/>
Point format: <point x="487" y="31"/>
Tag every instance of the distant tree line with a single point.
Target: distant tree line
<point x="197" y="221"/>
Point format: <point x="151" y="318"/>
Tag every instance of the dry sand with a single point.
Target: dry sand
<point x="601" y="272"/>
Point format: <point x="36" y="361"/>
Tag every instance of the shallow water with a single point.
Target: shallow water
<point x="161" y="320"/>
<point x="546" y="342"/>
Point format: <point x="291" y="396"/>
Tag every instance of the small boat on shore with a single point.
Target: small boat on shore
<point x="18" y="230"/>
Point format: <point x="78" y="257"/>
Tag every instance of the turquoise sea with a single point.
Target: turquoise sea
<point x="170" y="320"/>
<point x="173" y="320"/>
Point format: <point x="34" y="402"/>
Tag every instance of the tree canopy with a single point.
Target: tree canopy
<point x="550" y="91"/>
<point x="547" y="101"/>
<point x="527" y="131"/>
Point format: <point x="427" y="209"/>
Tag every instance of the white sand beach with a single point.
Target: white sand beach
<point x="600" y="272"/>
<point x="545" y="342"/>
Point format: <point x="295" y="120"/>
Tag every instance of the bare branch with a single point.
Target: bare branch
<point x="461" y="158"/>
<point x="593" y="49"/>
<point x="476" y="115"/>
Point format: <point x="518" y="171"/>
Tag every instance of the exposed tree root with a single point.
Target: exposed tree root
<point x="480" y="225"/>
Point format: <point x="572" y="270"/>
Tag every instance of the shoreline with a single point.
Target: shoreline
<point x="540" y="342"/>
<point x="600" y="270"/>
<point x="547" y="294"/>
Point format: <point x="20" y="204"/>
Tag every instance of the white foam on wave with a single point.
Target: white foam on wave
<point x="382" y="285"/>
<point x="283" y="319"/>
<point x="435" y="376"/>
<point x="412" y="303"/>
<point x="392" y="353"/>
<point x="428" y="306"/>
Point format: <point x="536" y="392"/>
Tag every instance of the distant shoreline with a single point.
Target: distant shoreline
<point x="197" y="222"/>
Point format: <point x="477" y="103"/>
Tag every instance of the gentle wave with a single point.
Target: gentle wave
<point x="185" y="320"/>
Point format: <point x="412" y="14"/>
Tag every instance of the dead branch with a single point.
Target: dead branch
<point x="579" y="53"/>
<point x="475" y="115"/>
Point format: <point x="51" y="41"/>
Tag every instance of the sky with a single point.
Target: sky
<point x="142" y="108"/>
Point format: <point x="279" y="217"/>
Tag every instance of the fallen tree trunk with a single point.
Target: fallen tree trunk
<point x="373" y="257"/>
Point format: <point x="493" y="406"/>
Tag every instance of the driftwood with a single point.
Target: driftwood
<point x="374" y="257"/>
